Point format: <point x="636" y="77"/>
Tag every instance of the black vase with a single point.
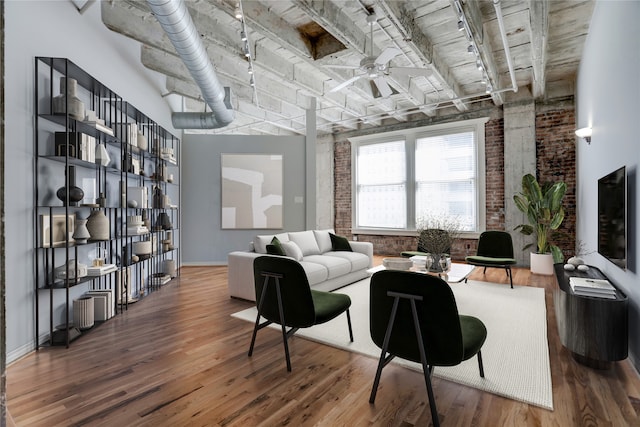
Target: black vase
<point x="75" y="193"/>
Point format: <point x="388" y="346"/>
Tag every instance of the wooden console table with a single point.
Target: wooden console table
<point x="594" y="329"/>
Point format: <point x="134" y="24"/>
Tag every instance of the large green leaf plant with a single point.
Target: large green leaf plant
<point x="544" y="210"/>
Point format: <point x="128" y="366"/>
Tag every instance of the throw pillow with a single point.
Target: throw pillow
<point x="292" y="250"/>
<point x="306" y="241"/>
<point x="277" y="248"/>
<point x="323" y="239"/>
<point x="340" y="243"/>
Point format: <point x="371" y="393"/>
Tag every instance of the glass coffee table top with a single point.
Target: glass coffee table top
<point x="457" y="273"/>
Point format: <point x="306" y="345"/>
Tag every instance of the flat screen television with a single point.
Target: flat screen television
<point x="612" y="217"/>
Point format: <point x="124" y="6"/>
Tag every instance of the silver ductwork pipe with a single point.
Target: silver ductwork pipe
<point x="174" y="18"/>
<point x="505" y="43"/>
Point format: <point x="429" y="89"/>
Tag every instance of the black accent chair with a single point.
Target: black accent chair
<point x="495" y="249"/>
<point x="414" y="316"/>
<point x="283" y="297"/>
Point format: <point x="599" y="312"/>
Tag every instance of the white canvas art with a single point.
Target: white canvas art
<point x="251" y="191"/>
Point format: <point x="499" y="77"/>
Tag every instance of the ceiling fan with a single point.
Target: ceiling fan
<point x="378" y="68"/>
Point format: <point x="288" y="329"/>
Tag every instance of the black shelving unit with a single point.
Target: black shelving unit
<point x="63" y="142"/>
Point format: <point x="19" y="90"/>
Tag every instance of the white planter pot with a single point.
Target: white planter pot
<point x="541" y="264"/>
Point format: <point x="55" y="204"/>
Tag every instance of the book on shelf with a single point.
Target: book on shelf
<point x="587" y="293"/>
<point x="592" y="287"/>
<point x="101" y="270"/>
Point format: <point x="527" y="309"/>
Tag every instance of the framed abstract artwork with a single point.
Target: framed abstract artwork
<point x="252" y="189"/>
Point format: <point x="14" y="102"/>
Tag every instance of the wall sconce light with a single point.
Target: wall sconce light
<point x="584" y="133"/>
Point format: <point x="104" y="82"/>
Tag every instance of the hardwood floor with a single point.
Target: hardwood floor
<point x="178" y="358"/>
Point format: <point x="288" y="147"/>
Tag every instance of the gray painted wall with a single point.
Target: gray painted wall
<point x="54" y="28"/>
<point x="608" y="100"/>
<point x="203" y="240"/>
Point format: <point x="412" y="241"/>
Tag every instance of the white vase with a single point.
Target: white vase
<point x="83" y="312"/>
<point x="81" y="233"/>
<point x="98" y="225"/>
<point x="102" y="156"/>
<point x="541" y="264"/>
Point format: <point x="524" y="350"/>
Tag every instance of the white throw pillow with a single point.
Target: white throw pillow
<point x="292" y="250"/>
<point x="260" y="242"/>
<point x="323" y="240"/>
<point x="306" y="241"/>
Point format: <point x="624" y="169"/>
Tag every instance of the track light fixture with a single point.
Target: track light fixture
<point x="244" y="38"/>
<point x="584" y="133"/>
<point x="460" y="25"/>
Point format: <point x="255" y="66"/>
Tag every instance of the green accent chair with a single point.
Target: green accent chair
<point x="423" y="243"/>
<point x="414" y="316"/>
<point x="283" y="296"/>
<point x="495" y="249"/>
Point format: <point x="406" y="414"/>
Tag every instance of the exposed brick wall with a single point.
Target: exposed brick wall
<point x="494" y="161"/>
<point x="556" y="160"/>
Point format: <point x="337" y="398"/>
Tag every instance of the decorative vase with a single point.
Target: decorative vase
<point x="75" y="193"/>
<point x="163" y="222"/>
<point x="81" y="233"/>
<point x="158" y="198"/>
<point x="98" y="225"/>
<point x="102" y="155"/>
<point x="83" y="312"/>
<point x="67" y="101"/>
<point x="143" y="144"/>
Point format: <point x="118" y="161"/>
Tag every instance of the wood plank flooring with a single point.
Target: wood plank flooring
<point x="177" y="358"/>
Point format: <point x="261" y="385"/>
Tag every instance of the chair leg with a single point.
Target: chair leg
<point x="282" y="323"/>
<point x="480" y="365"/>
<point x="484" y="271"/>
<point x="510" y="275"/>
<point x="385" y="345"/>
<point x="349" y="322"/>
<point x="257" y="325"/>
<point x="426" y="369"/>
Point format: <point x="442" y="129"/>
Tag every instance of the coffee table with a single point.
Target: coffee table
<point x="457" y="273"/>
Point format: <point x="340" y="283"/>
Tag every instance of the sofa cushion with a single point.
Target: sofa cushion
<point x="275" y="250"/>
<point x="315" y="272"/>
<point x="323" y="239"/>
<point x="260" y="242"/>
<point x="306" y="241"/>
<point x="340" y="243"/>
<point x="292" y="250"/>
<point x="358" y="261"/>
<point x="335" y="266"/>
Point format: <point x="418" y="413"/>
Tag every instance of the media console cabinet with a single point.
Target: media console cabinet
<point x="594" y="329"/>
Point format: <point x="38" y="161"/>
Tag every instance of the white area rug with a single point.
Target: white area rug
<point x="515" y="354"/>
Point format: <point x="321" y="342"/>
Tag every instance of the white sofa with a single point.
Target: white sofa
<point x="326" y="269"/>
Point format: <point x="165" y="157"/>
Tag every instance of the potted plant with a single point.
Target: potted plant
<point x="543" y="208"/>
<point x="436" y="234"/>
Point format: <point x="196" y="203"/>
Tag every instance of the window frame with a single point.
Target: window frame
<point x="410" y="136"/>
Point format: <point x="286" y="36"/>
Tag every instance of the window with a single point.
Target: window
<point x="403" y="176"/>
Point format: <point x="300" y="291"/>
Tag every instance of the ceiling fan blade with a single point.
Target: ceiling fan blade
<point x="409" y="71"/>
<point x="383" y="86"/>
<point x="343" y="67"/>
<point x="346" y="83"/>
<point x="387" y="55"/>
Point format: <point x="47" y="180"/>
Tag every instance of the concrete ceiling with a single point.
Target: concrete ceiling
<point x="293" y="41"/>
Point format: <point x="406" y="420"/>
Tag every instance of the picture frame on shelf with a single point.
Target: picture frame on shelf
<point x="53" y="227"/>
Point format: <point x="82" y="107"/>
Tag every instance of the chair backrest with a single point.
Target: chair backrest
<point x="497" y="244"/>
<point x="437" y="313"/>
<point x="297" y="302"/>
<point x="427" y="236"/>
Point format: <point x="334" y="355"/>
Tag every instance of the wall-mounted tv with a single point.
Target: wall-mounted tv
<point x="612" y="217"/>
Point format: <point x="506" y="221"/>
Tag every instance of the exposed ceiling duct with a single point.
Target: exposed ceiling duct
<point x="174" y="18"/>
